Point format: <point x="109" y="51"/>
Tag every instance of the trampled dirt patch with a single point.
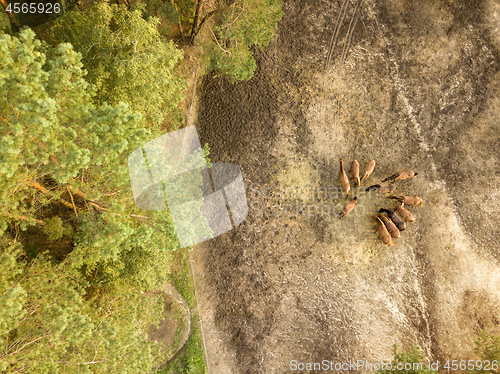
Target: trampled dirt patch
<point x="417" y="89"/>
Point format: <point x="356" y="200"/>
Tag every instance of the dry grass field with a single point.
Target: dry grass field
<point x="411" y="84"/>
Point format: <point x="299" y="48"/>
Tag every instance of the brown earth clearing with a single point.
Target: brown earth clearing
<point x="411" y="84"/>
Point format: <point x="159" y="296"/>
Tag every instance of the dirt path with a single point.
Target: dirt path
<point x="410" y="86"/>
<point x="174" y="328"/>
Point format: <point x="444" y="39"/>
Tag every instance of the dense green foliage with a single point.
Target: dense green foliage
<point x="413" y="358"/>
<point x="48" y="326"/>
<point x="76" y="255"/>
<point x="170" y="13"/>
<point x="74" y="305"/>
<point x="129" y="60"/>
<point x="126" y="59"/>
<point x="53" y="228"/>
<point x="243" y="25"/>
<point x="232" y="30"/>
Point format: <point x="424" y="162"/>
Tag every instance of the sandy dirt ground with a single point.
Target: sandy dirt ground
<point x="411" y="84"/>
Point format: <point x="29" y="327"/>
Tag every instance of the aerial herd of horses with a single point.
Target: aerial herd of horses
<point x="390" y="222"/>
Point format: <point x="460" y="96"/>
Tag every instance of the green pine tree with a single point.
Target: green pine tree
<point x="127" y="59"/>
<point x="49" y="325"/>
<point x="243" y="25"/>
<point x="63" y="172"/>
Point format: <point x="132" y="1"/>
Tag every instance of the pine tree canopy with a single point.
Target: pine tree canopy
<point x="75" y="251"/>
<point x="126" y="57"/>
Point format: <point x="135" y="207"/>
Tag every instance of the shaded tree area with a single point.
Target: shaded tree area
<point x="76" y="252"/>
<point x="126" y="58"/>
<point x="226" y="31"/>
<point x="77" y="255"/>
<point x="239" y="27"/>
